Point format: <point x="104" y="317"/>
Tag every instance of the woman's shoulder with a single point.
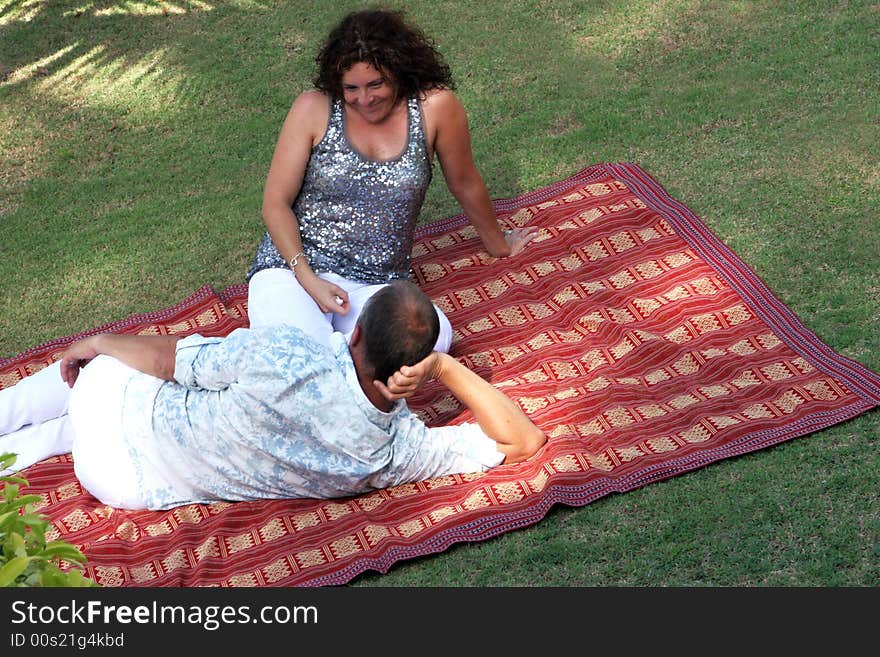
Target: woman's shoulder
<point x="311" y="100"/>
<point x="310" y="111"/>
<point x="441" y="98"/>
<point x="441" y="105"/>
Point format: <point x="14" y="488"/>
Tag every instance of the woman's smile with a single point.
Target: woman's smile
<point x="368" y="92"/>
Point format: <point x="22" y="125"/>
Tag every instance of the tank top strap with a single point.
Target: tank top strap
<point x="335" y="127"/>
<point x="417" y="138"/>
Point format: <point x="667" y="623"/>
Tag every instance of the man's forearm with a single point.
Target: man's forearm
<point x="151" y="354"/>
<point x="498" y="416"/>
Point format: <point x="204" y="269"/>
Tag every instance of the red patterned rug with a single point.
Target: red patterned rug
<point x="641" y="344"/>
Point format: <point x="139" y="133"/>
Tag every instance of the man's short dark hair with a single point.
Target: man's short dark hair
<point x="400" y="327"/>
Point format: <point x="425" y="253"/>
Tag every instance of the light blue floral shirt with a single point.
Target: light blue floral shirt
<point x="269" y="413"/>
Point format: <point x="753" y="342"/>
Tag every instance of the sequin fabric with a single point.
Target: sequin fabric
<point x="357" y="216"/>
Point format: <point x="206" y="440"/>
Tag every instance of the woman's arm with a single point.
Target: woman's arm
<point x="499" y="417"/>
<point x="303" y="128"/>
<point x="452" y="144"/>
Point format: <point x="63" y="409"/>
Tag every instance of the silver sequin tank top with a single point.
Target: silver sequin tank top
<point x="357" y="216"/>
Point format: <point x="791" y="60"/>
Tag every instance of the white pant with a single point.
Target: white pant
<point x="276" y="297"/>
<point x="34" y="423"/>
<point x="41" y="417"/>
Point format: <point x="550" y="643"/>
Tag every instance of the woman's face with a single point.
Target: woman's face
<point x="369" y="92"/>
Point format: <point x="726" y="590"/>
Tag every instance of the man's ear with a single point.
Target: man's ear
<point x="356" y="336"/>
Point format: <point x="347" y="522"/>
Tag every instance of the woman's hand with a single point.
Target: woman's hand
<point x="517" y="238"/>
<point x="330" y="297"/>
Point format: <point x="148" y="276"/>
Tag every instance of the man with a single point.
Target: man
<point x="159" y="421"/>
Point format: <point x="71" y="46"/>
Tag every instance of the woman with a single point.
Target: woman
<point x="349" y="174"/>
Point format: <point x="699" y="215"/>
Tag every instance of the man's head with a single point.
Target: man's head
<point x="399" y="325"/>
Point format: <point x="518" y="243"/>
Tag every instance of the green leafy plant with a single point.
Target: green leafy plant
<point x="26" y="558"/>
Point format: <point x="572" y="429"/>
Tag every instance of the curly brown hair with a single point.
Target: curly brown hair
<point x="387" y="41"/>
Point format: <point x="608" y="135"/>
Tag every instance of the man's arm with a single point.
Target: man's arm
<point x="151" y="354"/>
<point x="498" y="416"/>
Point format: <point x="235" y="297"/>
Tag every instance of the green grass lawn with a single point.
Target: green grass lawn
<point x="135" y="138"/>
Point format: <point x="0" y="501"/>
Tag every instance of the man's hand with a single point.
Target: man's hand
<point x="409" y="378"/>
<point x="76" y="356"/>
